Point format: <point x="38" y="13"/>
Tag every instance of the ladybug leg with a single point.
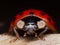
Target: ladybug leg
<point x="17" y="35"/>
<point x="41" y="37"/>
<point x="41" y="34"/>
<point x="24" y="34"/>
<point x="35" y="34"/>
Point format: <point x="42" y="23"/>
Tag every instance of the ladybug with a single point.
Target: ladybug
<point x="31" y="22"/>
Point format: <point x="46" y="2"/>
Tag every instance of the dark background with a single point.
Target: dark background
<point x="8" y="9"/>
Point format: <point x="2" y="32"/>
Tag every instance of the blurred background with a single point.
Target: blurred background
<point x="8" y="9"/>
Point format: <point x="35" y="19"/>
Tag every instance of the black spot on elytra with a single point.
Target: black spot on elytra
<point x="49" y="19"/>
<point x="31" y="12"/>
<point x="42" y="13"/>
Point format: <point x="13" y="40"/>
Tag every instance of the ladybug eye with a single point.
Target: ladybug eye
<point x="20" y="24"/>
<point x="41" y="24"/>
